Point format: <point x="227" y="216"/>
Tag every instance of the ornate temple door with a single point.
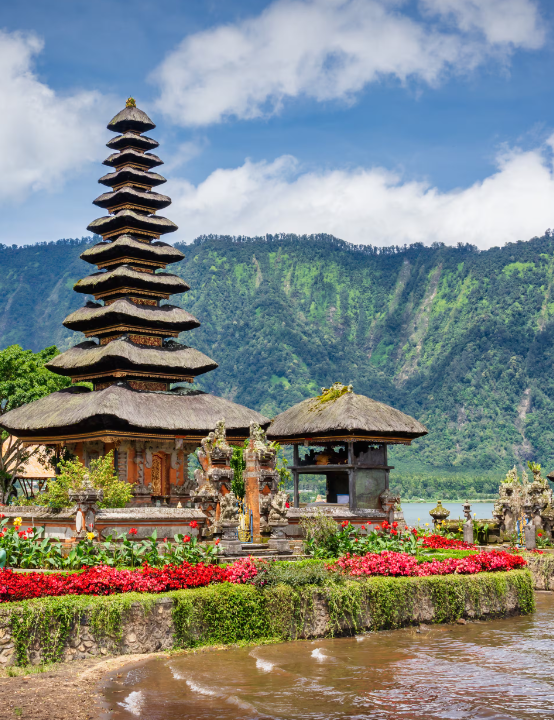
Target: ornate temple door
<point x="157" y="474"/>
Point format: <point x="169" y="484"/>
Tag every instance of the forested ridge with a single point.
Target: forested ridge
<point x="461" y="339"/>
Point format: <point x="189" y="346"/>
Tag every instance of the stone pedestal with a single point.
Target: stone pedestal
<point x="278" y="540"/>
<point x="230" y="543"/>
<point x="530" y="537"/>
<point x="468" y="532"/>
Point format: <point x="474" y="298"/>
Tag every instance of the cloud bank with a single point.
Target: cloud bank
<point x="44" y="136"/>
<point x="331" y="49"/>
<point x="371" y="206"/>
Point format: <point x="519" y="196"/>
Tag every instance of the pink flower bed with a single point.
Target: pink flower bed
<point x="401" y="564"/>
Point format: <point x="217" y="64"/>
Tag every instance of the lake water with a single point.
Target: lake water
<point x="413" y="511"/>
<point x="496" y="670"/>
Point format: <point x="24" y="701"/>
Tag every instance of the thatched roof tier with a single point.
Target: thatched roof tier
<point x="129" y="156"/>
<point x="129" y="219"/>
<point x="132" y="176"/>
<point x="123" y="277"/>
<point x="126" y="246"/>
<point x="128" y="195"/>
<point x="131" y="118"/>
<point x="124" y="312"/>
<point x="76" y="413"/>
<point x="173" y="359"/>
<point x="349" y="416"/>
<point x="132" y="140"/>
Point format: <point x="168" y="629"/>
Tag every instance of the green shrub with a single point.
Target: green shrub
<point x="101" y="474"/>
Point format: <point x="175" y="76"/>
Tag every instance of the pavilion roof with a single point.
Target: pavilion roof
<point x="119" y="409"/>
<point x="130" y="139"/>
<point x="123" y="354"/>
<point x="126" y="220"/>
<point x="124" y="312"/>
<point x="344" y="415"/>
<point x="131" y="118"/>
<point x="129" y="155"/>
<point x="128" y="194"/>
<point x="132" y="176"/>
<point x="128" y="246"/>
<point x="125" y="276"/>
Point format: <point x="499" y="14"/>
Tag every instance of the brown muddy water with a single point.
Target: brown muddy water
<point x="492" y="671"/>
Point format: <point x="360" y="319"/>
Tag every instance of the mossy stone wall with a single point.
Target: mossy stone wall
<point x="77" y="627"/>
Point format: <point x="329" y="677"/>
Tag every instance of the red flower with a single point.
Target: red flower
<point x="395" y="524"/>
<point x="385" y="525"/>
<point x="216" y="541"/>
<point x="186" y="538"/>
<point x="344" y="523"/>
<point x="539" y="534"/>
<point x="30" y="530"/>
<point x="2" y="516"/>
<point x="394" y="532"/>
<point x="193" y="524"/>
<point x="22" y="535"/>
<point x="287" y="504"/>
<point x="165" y="539"/>
<point x="363" y="527"/>
<point x="133" y="531"/>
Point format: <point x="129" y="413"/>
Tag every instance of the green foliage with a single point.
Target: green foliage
<point x="323" y="541"/>
<point x="238" y="464"/>
<point x="26" y="549"/>
<point x="23" y="378"/>
<point x="101" y="474"/>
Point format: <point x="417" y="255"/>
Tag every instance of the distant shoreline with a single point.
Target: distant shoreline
<point x="420" y="502"/>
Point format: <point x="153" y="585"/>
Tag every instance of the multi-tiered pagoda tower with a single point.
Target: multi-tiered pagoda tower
<point x="131" y="356"/>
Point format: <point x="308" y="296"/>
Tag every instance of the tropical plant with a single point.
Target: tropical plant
<point x="73" y="476"/>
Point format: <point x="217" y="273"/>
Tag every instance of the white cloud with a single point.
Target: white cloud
<point x="331" y="49"/>
<point x="371" y="206"/>
<point x="511" y="22"/>
<point x="44" y="136"/>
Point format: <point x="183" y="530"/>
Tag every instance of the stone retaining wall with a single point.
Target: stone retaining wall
<point x="148" y="624"/>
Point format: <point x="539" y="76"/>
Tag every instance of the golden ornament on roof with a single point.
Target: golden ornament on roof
<point x="131" y="102"/>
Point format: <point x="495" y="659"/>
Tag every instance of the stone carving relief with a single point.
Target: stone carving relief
<point x="524" y="500"/>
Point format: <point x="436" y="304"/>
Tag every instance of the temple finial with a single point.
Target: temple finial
<point x="130" y="102"/>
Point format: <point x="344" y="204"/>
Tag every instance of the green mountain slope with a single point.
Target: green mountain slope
<point x="461" y="339"/>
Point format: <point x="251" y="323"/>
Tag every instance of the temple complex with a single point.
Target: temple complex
<point x="138" y="405"/>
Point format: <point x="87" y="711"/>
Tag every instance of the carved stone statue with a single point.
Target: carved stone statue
<point x="278" y="509"/>
<point x="229" y="512"/>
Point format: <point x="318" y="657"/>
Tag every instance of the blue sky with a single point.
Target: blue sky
<point x="380" y="121"/>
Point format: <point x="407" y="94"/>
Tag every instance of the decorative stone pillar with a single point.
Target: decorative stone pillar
<point x="86" y="499"/>
<point x="468" y="524"/>
<point x="439" y="514"/>
<point x="388" y="503"/>
<point x="278" y="521"/>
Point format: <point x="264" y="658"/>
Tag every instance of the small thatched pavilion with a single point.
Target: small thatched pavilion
<point x="344" y="436"/>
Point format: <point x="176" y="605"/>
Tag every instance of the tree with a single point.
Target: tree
<point x="23" y="379"/>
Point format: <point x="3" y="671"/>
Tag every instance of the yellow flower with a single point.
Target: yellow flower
<point x="418" y="519"/>
<point x="426" y="524"/>
<point x="17" y="522"/>
<point x="90" y="536"/>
